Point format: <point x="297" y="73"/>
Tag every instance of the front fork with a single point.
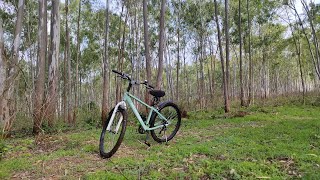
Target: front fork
<point x="123" y="106"/>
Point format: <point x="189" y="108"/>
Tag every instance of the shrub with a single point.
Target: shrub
<point x="3" y="148"/>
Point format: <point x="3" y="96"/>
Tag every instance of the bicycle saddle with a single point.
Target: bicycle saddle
<point x="157" y="93"/>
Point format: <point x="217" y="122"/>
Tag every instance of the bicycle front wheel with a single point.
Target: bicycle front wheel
<point x="172" y="113"/>
<point x="110" y="140"/>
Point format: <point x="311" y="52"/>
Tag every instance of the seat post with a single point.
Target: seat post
<point x="155" y="101"/>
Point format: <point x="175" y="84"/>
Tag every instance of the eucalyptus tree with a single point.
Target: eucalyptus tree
<point x="2" y="70"/>
<point x="78" y="55"/>
<point x="161" y="43"/>
<point x="240" y="56"/>
<point x="53" y="62"/>
<point x="224" y="76"/>
<point x="9" y="72"/>
<point x="250" y="89"/>
<point x="105" y="99"/>
<point x="146" y="46"/>
<point x="227" y="48"/>
<point x="66" y="55"/>
<point x="40" y="77"/>
<point x="296" y="36"/>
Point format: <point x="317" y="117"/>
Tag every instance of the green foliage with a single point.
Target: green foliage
<point x="90" y="115"/>
<point x="3" y="148"/>
<point x="316" y="102"/>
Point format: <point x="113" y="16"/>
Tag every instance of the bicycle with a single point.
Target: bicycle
<point x="162" y="118"/>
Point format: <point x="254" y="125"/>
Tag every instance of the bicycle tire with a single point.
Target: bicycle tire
<point x="162" y="107"/>
<point x="116" y="146"/>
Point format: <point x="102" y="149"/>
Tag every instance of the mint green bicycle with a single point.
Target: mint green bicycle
<point x="163" y="120"/>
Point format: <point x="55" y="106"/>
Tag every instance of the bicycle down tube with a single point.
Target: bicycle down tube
<point x="127" y="98"/>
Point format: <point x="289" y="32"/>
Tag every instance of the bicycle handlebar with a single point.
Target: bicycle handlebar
<point x="117" y="72"/>
<point x="147" y="85"/>
<point x="132" y="82"/>
<point x="122" y="75"/>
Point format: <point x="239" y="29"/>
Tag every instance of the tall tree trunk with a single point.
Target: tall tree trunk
<point x="69" y="90"/>
<point x="298" y="52"/>
<point x="161" y="43"/>
<point x="119" y="64"/>
<point x="7" y="103"/>
<point x="147" y="48"/>
<point x="2" y="72"/>
<point x="66" y="54"/>
<point x="226" y="28"/>
<point x="178" y="53"/>
<point x="76" y="83"/>
<point x="250" y="99"/>
<point x="240" y="57"/>
<point x="53" y="62"/>
<point x="40" y="80"/>
<point x="121" y="55"/>
<point x="225" y="90"/>
<point x="212" y="72"/>
<point x="105" y="99"/>
<point x="264" y="74"/>
<point x="186" y="82"/>
<point x="201" y="59"/>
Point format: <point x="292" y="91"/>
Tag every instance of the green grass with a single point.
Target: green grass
<point x="270" y="142"/>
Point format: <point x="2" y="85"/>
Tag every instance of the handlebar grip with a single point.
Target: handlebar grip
<point x="115" y="71"/>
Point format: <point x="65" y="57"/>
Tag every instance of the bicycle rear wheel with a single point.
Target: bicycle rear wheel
<point x="110" y="140"/>
<point x="172" y="113"/>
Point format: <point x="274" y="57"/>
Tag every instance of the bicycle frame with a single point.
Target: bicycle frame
<point x="127" y="98"/>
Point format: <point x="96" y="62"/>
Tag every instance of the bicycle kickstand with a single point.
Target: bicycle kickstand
<point x="146" y="140"/>
<point x="166" y="136"/>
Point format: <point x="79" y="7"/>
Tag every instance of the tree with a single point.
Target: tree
<point x="146" y="47"/>
<point x="297" y="45"/>
<point x="178" y="50"/>
<point x="250" y="98"/>
<point x="40" y="79"/>
<point x="224" y="77"/>
<point x="66" y="52"/>
<point x="105" y="99"/>
<point x="76" y="82"/>
<point x="2" y="71"/>
<point x="227" y="38"/>
<point x="67" y="72"/>
<point x="240" y="57"/>
<point x="53" y="62"/>
<point x="161" y="44"/>
<point x="7" y="106"/>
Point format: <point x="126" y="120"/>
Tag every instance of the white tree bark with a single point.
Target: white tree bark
<point x="8" y="111"/>
<point x="40" y="80"/>
<point x="2" y="70"/>
<point x="54" y="60"/>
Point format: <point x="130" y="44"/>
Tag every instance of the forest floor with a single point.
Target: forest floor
<point x="268" y="143"/>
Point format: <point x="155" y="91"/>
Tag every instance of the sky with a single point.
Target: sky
<point x="116" y="8"/>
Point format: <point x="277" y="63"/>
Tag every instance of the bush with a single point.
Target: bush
<point x="89" y="115"/>
<point x="316" y="102"/>
<point x="3" y="148"/>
